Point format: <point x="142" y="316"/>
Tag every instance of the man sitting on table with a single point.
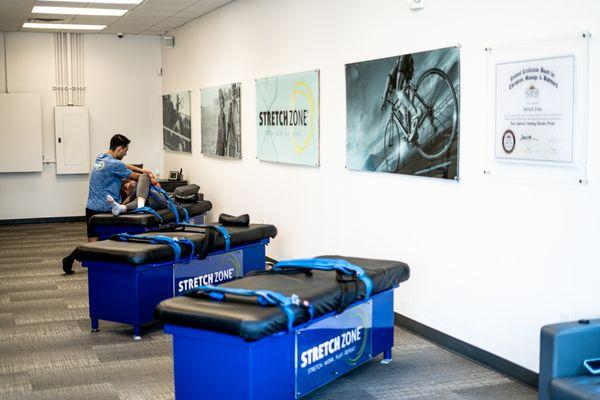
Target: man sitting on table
<point x="105" y="180"/>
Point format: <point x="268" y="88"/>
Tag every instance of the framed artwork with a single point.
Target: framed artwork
<point x="403" y="113"/>
<point x="177" y="122"/>
<point x="221" y="121"/>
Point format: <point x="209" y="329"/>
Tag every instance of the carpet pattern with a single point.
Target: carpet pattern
<point x="48" y="352"/>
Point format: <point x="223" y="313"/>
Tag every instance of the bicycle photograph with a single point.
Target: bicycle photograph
<point x="403" y="114"/>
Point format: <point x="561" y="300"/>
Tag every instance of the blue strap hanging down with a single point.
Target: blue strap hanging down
<point x="220" y="229"/>
<point x="150" y="211"/>
<point x="186" y="215"/>
<point x="174" y="242"/>
<point x="224" y="234"/>
<point x="329" y="264"/>
<point x="264" y="297"/>
<point x="171" y="204"/>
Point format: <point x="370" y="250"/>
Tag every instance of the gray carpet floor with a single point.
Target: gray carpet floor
<point x="48" y="352"/>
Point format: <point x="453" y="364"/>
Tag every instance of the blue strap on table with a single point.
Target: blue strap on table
<point x="148" y="210"/>
<point x="174" y="242"/>
<point x="328" y="264"/>
<point x="220" y="229"/>
<point x="264" y="297"/>
<point x="171" y="204"/>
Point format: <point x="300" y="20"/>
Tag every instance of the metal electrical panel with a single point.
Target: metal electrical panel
<point x="72" y="138"/>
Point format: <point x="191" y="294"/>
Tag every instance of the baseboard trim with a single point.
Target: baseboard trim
<point x="40" y="220"/>
<point x="469" y="351"/>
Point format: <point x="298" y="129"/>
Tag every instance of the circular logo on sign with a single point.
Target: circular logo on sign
<point x="302" y="89"/>
<point x="508" y="141"/>
<point x="351" y="358"/>
<point x="232" y="262"/>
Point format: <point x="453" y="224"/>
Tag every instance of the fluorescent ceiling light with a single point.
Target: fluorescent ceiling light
<point x="78" y="11"/>
<point x="79" y="27"/>
<point x="99" y="1"/>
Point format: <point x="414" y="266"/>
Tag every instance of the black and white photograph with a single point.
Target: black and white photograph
<point x="220" y="127"/>
<point x="402" y="114"/>
<point x="177" y="122"/>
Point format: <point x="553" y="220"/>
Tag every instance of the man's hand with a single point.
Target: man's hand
<point x="147" y="171"/>
<point x="153" y="179"/>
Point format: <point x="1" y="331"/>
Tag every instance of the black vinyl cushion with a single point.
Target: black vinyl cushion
<point x="147" y="219"/>
<point x="145" y="253"/>
<point x="244" y="318"/>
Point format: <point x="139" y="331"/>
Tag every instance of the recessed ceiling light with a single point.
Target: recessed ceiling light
<point x="79" y="27"/>
<point x="99" y="1"/>
<point x="78" y="11"/>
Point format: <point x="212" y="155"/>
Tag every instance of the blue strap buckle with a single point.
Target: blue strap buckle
<point x="329" y="264"/>
<point x="264" y="298"/>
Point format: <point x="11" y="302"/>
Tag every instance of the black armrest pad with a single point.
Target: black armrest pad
<point x="230" y="220"/>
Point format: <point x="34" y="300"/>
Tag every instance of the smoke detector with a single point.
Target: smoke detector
<point x="416" y="4"/>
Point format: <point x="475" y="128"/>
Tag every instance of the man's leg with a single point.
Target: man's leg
<point x="408" y="106"/>
<point x="67" y="262"/>
<point x="92" y="236"/>
<point x="416" y="114"/>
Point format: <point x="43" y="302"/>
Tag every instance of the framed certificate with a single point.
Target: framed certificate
<point x="534" y="109"/>
<point x="538" y="110"/>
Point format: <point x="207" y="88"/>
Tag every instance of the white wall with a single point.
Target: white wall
<point x="491" y="261"/>
<point x="122" y="94"/>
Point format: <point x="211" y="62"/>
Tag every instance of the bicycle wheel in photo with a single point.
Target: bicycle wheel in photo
<point x="438" y="126"/>
<point x="392" y="140"/>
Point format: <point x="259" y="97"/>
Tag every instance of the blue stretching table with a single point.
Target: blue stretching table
<point x="335" y="327"/>
<point x="128" y="279"/>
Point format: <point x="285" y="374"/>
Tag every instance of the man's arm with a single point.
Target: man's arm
<point x="134" y="175"/>
<point x="136" y="172"/>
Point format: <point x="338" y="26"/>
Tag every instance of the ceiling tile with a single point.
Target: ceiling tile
<point x="167" y="13"/>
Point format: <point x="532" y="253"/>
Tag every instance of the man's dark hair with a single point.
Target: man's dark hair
<point x="118" y="140"/>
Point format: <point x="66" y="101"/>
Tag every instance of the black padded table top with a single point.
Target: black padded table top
<point x="146" y="219"/>
<point x="134" y="253"/>
<point x="244" y="318"/>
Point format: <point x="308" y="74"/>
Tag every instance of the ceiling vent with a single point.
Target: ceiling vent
<point x="169" y="41"/>
<point x="45" y="20"/>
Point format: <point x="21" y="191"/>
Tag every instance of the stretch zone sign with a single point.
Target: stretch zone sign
<point x="213" y="270"/>
<point x="333" y="346"/>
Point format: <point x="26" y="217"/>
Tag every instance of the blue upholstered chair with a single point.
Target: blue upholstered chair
<point x="564" y="347"/>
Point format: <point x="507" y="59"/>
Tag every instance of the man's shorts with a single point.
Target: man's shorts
<point x="88" y="214"/>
